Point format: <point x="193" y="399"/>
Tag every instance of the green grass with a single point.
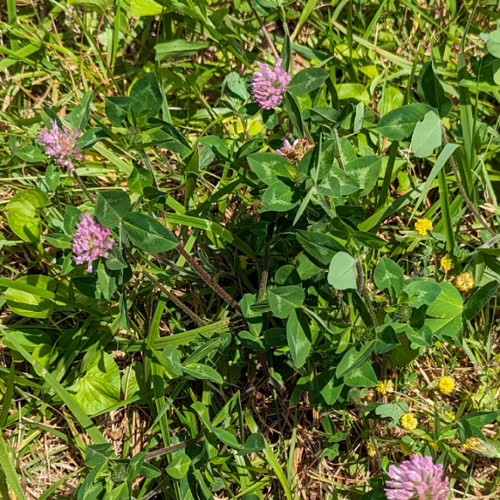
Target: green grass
<point x="55" y="52"/>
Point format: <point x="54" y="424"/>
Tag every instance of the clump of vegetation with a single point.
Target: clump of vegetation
<point x="249" y="250"/>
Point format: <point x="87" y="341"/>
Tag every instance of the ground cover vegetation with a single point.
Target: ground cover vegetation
<point x="249" y="249"/>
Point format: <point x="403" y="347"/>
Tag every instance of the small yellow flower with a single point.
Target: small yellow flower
<point x="370" y="450"/>
<point x="384" y="386"/>
<point x="243" y="262"/>
<point x="464" y="282"/>
<point x="446" y="384"/>
<point x="422" y="226"/>
<point x="446" y="264"/>
<point x="405" y="449"/>
<point x="450" y="416"/>
<point x="409" y="422"/>
<point x="433" y="445"/>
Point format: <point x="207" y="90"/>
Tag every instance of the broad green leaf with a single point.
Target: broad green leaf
<point x="284" y="300"/>
<point x="320" y="246"/>
<point x="342" y="274"/>
<point x="95" y="5"/>
<point x="79" y="117"/>
<point x="353" y="358"/>
<point x="480" y="418"/>
<point x="388" y="276"/>
<point x="119" y="493"/>
<point x="253" y="318"/>
<point x="107" y="280"/>
<point x="403" y="354"/>
<point x="421" y="292"/>
<point x="431" y="91"/>
<point x="27" y="304"/>
<point x="493" y="43"/>
<point x="399" y="124"/>
<point x="427" y="135"/>
<point x="178" y="47"/>
<point x="139" y="179"/>
<point x="99" y="388"/>
<point x="298" y="335"/>
<point x="280" y="197"/>
<point x="394" y="411"/>
<point x="28" y="338"/>
<point x="363" y="376"/>
<point x="23" y="214"/>
<point x="307" y="80"/>
<point x="170" y="138"/>
<point x="140" y="8"/>
<point x="147" y="92"/>
<point x="448" y="304"/>
<point x="179" y="466"/>
<point x="365" y="172"/>
<point x="148" y="234"/>
<point x="327" y="384"/>
<point x="255" y="442"/>
<point x="203" y="372"/>
<point x="116" y="109"/>
<point x="171" y="355"/>
<point x="31" y="154"/>
<point x="478" y="298"/>
<point x="337" y="177"/>
<point x="226" y="437"/>
<point x="353" y="91"/>
<point x="111" y="207"/>
<point x="270" y="167"/>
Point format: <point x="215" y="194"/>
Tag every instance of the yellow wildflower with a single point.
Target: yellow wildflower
<point x="243" y="262"/>
<point x="370" y="450"/>
<point x="446" y="384"/>
<point x="464" y="282"/>
<point x="384" y="386"/>
<point x="409" y="422"/>
<point x="450" y="416"/>
<point x="422" y="226"/>
<point x="446" y="264"/>
<point x="405" y="449"/>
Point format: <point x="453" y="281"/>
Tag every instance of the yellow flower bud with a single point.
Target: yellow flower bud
<point x="370" y="450"/>
<point x="446" y="264"/>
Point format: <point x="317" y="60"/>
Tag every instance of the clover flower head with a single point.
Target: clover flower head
<point x="269" y="85"/>
<point x="91" y="241"/>
<point x="464" y="282"/>
<point x="61" y="145"/>
<point x="370" y="450"/>
<point x="446" y="264"/>
<point x="446" y="384"/>
<point x="450" y="416"/>
<point x="409" y="422"/>
<point x="384" y="386"/>
<point x="296" y="151"/>
<point x="422" y="226"/>
<point x="417" y="479"/>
